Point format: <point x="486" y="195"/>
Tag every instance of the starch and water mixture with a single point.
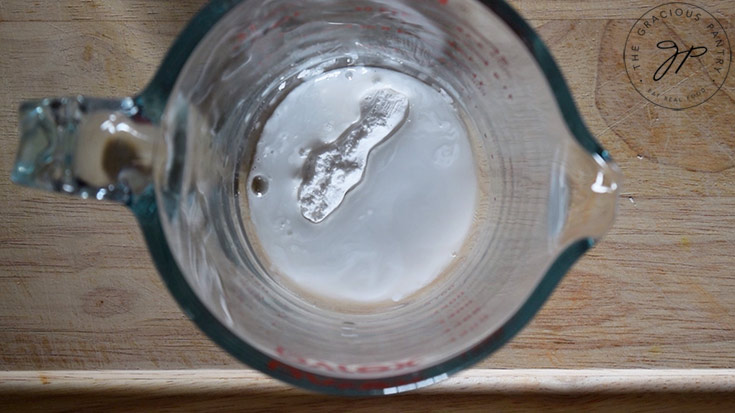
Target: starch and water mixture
<point x="363" y="186"/>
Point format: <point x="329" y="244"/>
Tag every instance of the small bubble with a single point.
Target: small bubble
<point x="349" y="74"/>
<point x="454" y="255"/>
<point x="329" y="126"/>
<point x="259" y="185"/>
<point x="632" y="201"/>
<point x="445" y="155"/>
<point x="376" y="79"/>
<point x="303" y="152"/>
<point x="639" y="156"/>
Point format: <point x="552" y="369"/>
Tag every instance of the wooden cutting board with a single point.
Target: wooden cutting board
<point x="79" y="296"/>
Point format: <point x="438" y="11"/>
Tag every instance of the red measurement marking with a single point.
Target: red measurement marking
<point x="280" y="21"/>
<point x="443" y="2"/>
<point x="241" y="36"/>
<point x="486" y="62"/>
<point x="496" y="75"/>
<point x="386" y="28"/>
<point x="474" y="75"/>
<point x="460" y="29"/>
<point x="399" y="30"/>
<point x="296" y="14"/>
<point x="482" y="83"/>
<point x="368" y="8"/>
<point x="510" y="96"/>
<point x="345" y="368"/>
<point x="358" y="8"/>
<point x="382" y="10"/>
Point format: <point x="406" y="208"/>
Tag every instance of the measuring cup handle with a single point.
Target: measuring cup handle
<point x="89" y="147"/>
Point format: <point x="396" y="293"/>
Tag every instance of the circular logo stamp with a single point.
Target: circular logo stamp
<point x="677" y="55"/>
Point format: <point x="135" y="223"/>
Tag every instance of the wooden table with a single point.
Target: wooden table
<point x="80" y="299"/>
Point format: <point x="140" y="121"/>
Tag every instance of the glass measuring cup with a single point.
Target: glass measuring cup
<point x="174" y="155"/>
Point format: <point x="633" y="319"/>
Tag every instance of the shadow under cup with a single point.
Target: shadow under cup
<point x="532" y="218"/>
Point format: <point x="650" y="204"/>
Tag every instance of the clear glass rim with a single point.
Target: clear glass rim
<point x="152" y="102"/>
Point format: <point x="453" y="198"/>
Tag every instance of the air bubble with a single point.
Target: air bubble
<point x="267" y="151"/>
<point x="284" y="223"/>
<point x="349" y="74"/>
<point x="445" y="155"/>
<point x="259" y="185"/>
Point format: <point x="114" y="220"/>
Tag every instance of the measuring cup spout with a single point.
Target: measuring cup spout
<point x="584" y="194"/>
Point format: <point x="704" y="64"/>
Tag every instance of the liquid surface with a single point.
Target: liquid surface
<point x="392" y="202"/>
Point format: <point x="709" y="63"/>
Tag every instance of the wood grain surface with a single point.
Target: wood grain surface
<point x="78" y="290"/>
<point x="473" y="390"/>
